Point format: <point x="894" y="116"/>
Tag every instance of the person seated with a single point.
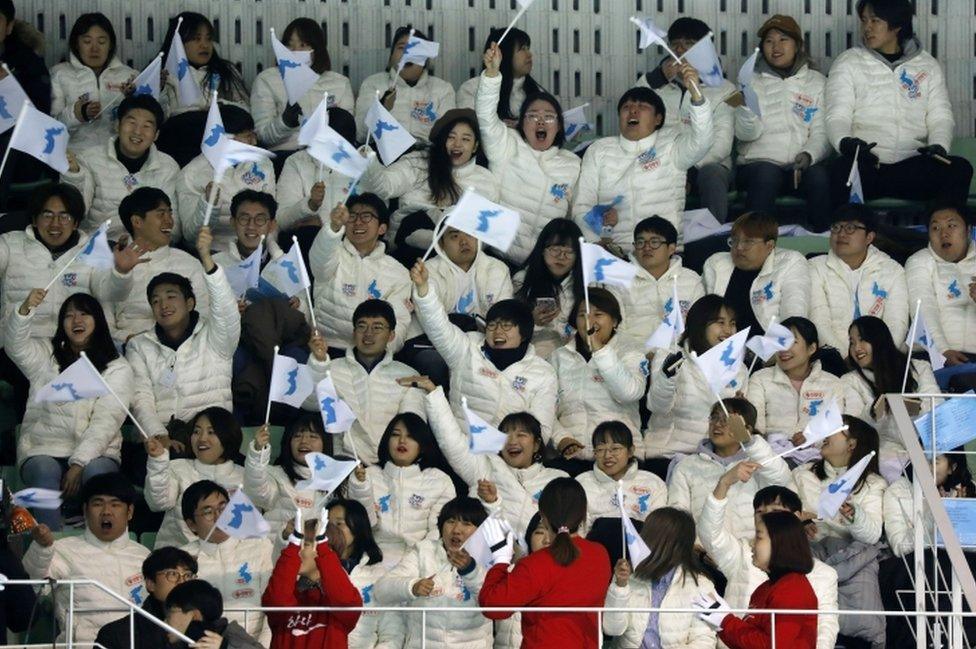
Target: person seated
<point x="108" y="173"/>
<point x="162" y="571"/>
<point x="238" y="568"/>
<point x="195" y="609"/>
<point x="783" y="150"/>
<point x="253" y="216"/>
<point x="104" y="553"/>
<point x="854" y="278"/>
<point x="93" y="77"/>
<point x="183" y="364"/>
<point x="760" y="280"/>
<point x="516" y="68"/>
<point x="711" y="176"/>
<point x="367" y="379"/>
<point x="888" y="108"/>
<point x="147" y="215"/>
<point x="614" y="192"/>
<point x="349" y="264"/>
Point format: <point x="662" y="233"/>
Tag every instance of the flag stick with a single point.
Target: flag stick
<point x="65" y="267"/>
<point x="512" y="24"/>
<point x="214" y="190"/>
<point x="438" y="227"/>
<point x="800" y="447"/>
<point x="911" y="344"/>
<point x="623" y="512"/>
<point x="321" y="175"/>
<point x="586" y="299"/>
<point x="13" y="135"/>
<point x="125" y="408"/>
<point x="212" y="528"/>
<point x="308" y="291"/>
<point x="850" y="176"/>
<point x="755" y="356"/>
<point x="267" y="412"/>
<point x="401" y="64"/>
<point x="352" y="188"/>
<point x="721" y="404"/>
<point x="679" y="60"/>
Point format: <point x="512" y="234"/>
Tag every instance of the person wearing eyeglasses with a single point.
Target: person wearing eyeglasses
<point x="855" y="278"/>
<point x="350" y="264"/>
<point x="162" y="571"/>
<point x="760" y="280"/>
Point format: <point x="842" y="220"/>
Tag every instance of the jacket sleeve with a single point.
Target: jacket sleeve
<point x="395" y="586"/>
<point x="293" y="196"/>
<point x="452" y="441"/>
<point x="679" y="489"/>
<point x="451" y="343"/>
<point x="918" y="276"/>
<point x="660" y="398"/>
<point x="190" y="185"/>
<point x="938" y="114"/>
<point x="224" y="330"/>
<point x="503" y="588"/>
<point x="869" y="513"/>
<point x="839" y="99"/>
<point x="789" y="630"/>
<point x="62" y="106"/>
<point x="82" y="181"/>
<point x="339" y="591"/>
<point x="621" y="374"/>
<point x="498" y="139"/>
<point x="323" y="257"/>
<point x="109" y="285"/>
<point x="31" y="355"/>
<point x="828" y="626"/>
<point x="162" y="488"/>
<point x="442" y="494"/>
<point x="143" y="394"/>
<point x="820" y="315"/>
<point x="748" y="126"/>
<point x="107" y="416"/>
<point x="720" y="544"/>
<point x="281" y="587"/>
<point x="795" y="286"/>
<point x="587" y="189"/>
<point x="270" y="128"/>
<point x="773" y="471"/>
<point x="757" y="397"/>
<point x="362" y="492"/>
<point x="693" y="143"/>
<point x="818" y="144"/>
<point x="393" y="181"/>
<point x="44" y="563"/>
<point x="616" y="623"/>
<point x="262" y="490"/>
<point x="722" y="135"/>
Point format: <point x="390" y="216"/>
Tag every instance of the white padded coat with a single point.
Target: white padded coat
<point x="269" y="487"/>
<point x="781" y="290"/>
<point x="300" y="173"/>
<point x="643" y="493"/>
<point x="648" y="300"/>
<point x="416" y="107"/>
<point x="943" y="288"/>
<point x="269" y="100"/>
<point x="781" y="409"/>
<point x="867" y="502"/>
<point x="72" y="80"/>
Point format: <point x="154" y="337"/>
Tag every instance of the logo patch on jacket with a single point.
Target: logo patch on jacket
<point x="254" y="175"/>
<point x="813" y="407"/>
<point x="243" y="593"/>
<point x="349" y="290"/>
<point x="491" y="374"/>
<point x="384" y="503"/>
<point x="423" y="112"/>
<point x="648" y="160"/>
<point x="804" y="107"/>
<point x="416" y="501"/>
<point x="130" y="181"/>
<point x="69" y="279"/>
<point x="912" y="85"/>
<point x="953" y="289"/>
<point x="519" y="383"/>
<point x="559" y="192"/>
<point x="765" y="294"/>
<point x="134" y="584"/>
<point x="244" y="574"/>
<point x="367" y="593"/>
<point x="374" y="290"/>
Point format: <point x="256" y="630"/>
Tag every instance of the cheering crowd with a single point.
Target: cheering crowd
<point x="266" y="333"/>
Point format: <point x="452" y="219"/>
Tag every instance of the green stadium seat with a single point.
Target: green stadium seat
<point x="965" y="147"/>
<point x="148" y="539"/>
<point x="276" y="434"/>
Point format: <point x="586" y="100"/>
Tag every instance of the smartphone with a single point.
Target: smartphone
<point x="546" y="304"/>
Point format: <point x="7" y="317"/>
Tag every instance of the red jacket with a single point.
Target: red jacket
<point x="791" y="591"/>
<point x="312" y="630"/>
<point x="537" y="580"/>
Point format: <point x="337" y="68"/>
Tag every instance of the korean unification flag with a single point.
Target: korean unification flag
<point x="147" y="83"/>
<point x="246" y="274"/>
<point x="746" y="74"/>
<point x="285" y="276"/>
<point x="418" y="51"/>
<point x="650" y="34"/>
<point x="327" y="473"/>
<point x="42" y="137"/>
<point x="37" y="498"/>
<point x="671" y="327"/>
<point x="332" y="150"/>
<point x="213" y="134"/>
<point x="924" y="338"/>
<point x="636" y="547"/>
<point x="822" y="425"/>
<point x="392" y="140"/>
<point x="318" y="118"/>
<point x="97" y="253"/>
<point x="178" y="67"/>
<point x="12" y="99"/>
<point x="777" y="338"/>
<point x="704" y="58"/>
<point x="291" y="382"/>
<point x="78" y="381"/>
<point x="295" y="70"/>
<point x="484" y="220"/>
<point x="483" y="438"/>
<point x="594" y="218"/>
<point x="233" y="153"/>
<point x="575" y="122"/>
<point x="241" y="519"/>
<point x="337" y="416"/>
<point x="857" y="190"/>
<point x="837" y="491"/>
<point x="721" y="363"/>
<point x="600" y="267"/>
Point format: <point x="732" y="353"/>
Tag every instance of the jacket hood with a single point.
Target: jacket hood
<point x="707" y="450"/>
<point x="909" y="50"/>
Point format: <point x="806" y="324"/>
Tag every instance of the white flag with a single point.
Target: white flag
<point x="703" y="57"/>
<point x="636" y="547"/>
<point x="721" y="363"/>
<point x="285" y="276"/>
<point x="479" y="544"/>
<point x="746" y="74"/>
<point x="78" y="381"/>
<point x="214" y="134"/>
<point x="484" y="220"/>
<point x="332" y="150"/>
<point x="97" y="253"/>
<point x="295" y="70"/>
<point x="924" y="338"/>
<point x="178" y="67"/>
<point x="233" y="153"/>
<point x="671" y="327"/>
<point x="392" y="140"/>
<point x="650" y="33"/>
<point x="241" y="519"/>
<point x="600" y="267"/>
<point x="147" y="82"/>
<point x="824" y="422"/>
<point x="37" y="498"/>
<point x="246" y="274"/>
<point x="418" y="51"/>
<point x="12" y="99"/>
<point x="777" y="338"/>
<point x="327" y="472"/>
<point x="41" y="136"/>
<point x="318" y="118"/>
<point x="857" y="191"/>
<point x="483" y="438"/>
<point x="337" y="416"/>
<point x="837" y="491"/>
<point x="575" y="122"/>
<point x="594" y="217"/>
<point x="291" y="382"/>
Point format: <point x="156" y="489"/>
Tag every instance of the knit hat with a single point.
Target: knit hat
<point x="450" y="117"/>
<point x="785" y="24"/>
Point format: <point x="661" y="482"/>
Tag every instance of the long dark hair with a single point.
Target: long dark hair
<point x="440" y="169"/>
<point x="231" y="84"/>
<point x="670" y="536"/>
<point x="363" y="542"/>
<point x="887" y="361"/>
<point x="516" y="38"/>
<point x="789" y="545"/>
<point x="310" y="421"/>
<point x="227" y="430"/>
<point x="604" y="300"/>
<point x="86" y="22"/>
<point x="539" y="282"/>
<point x="867" y="440"/>
<point x="702" y="313"/>
<point x="101" y="349"/>
<point x="430" y="456"/>
<point x="563" y="503"/>
<point x="805" y="329"/>
<point x="311" y="33"/>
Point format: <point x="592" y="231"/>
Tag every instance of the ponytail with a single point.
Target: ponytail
<point x="563" y="504"/>
<point x="563" y="550"/>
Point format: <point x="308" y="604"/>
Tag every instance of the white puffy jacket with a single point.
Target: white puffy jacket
<point x="781" y="409"/>
<point x="269" y="100"/>
<point x="374" y="396"/>
<point x="344" y="279"/>
<point x="734" y="558"/>
<point x="539" y="184"/>
<point x="792" y="122"/>
<point x="181" y="382"/>
<point x="879" y="289"/>
<point x="167" y="479"/>
<point x="467" y="94"/>
<point x="680" y="406"/>
<point x="269" y="487"/>
<point x="133" y="314"/>
<point x="648" y="300"/>
<point x="781" y="290"/>
<point x="867" y="502"/>
<point x="300" y="173"/>
<point x="609" y="386"/>
<point x="192" y="198"/>
<point x="676" y="105"/>
<point x="170" y="98"/>
<point x="518" y="489"/>
<point x="675" y="630"/>
<point x="416" y="107"/>
<point x="901" y="106"/>
<point x="103" y="182"/>
<point x="78" y="430"/>
<point x="240" y="570"/>
<point x="529" y="384"/>
<point x="117" y="565"/>
<point x="26" y="264"/>
<point x="643" y="493"/>
<point x="943" y="288"/>
<point x="230" y="255"/>
<point x="403" y="502"/>
<point x="899" y="517"/>
<point x="548" y="338"/>
<point x="648" y="174"/>
<point x="72" y="80"/>
<point x="375" y="630"/>
<point x="695" y="476"/>
<point x="454" y="630"/>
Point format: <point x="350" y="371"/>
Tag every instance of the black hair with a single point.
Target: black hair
<point x="167" y="558"/>
<point x="113" y="485"/>
<point x="897" y="13"/>
<point x="144" y="102"/>
<point x="617" y="431"/>
<point x="659" y="226"/>
<point x="959" y="473"/>
<point x="856" y="212"/>
<point x="669" y="533"/>
<point x="235" y="119"/>
<point x="199" y="490"/>
<point x="371" y="200"/>
<point x="527" y="421"/>
<point x="539" y="281"/>
<point x="516" y="38"/>
<point x="687" y="27"/>
<point x="533" y="525"/>
<point x="738" y="406"/>
<point x="430" y="456"/>
<point x="180" y="282"/>
<point x="867" y="440"/>
<point x="789" y="545"/>
<point x="231" y="85"/>
<point x="69" y="195"/>
<point x="563" y="503"/>
<point x="702" y="313"/>
<point x="197" y="595"/>
<point x="141" y="201"/>
<point x="514" y="311"/>
<point x="374" y="308"/>
<point x="86" y="22"/>
<point x="342" y="122"/>
<point x="226" y="428"/>
<point x="8" y="10"/>
<point x="643" y="95"/>
<point x="806" y="330"/>
<point x="887" y="361"/>
<point x="605" y="301"/>
<point x="440" y="170"/>
<point x="357" y="520"/>
<point x="101" y="348"/>
<point x="311" y="34"/>
<point x="462" y="508"/>
<point x="266" y="200"/>
<point x="943" y="205"/>
<point x="542" y="95"/>
<point x="305" y="421"/>
<point x="777" y="494"/>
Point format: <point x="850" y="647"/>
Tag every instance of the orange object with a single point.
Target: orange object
<point x="21" y="520"/>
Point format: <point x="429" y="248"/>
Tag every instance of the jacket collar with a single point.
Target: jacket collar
<point x="779" y="376"/>
<point x="674" y="266"/>
<point x="603" y="478"/>
<point x="375" y="254"/>
<point x="874" y="256"/>
<point x="970" y="256"/>
<point x="910" y="49"/>
<point x="707" y="451"/>
<point x="151" y="156"/>
<point x="112" y="546"/>
<point x="76" y="63"/>
<point x="637" y="147"/>
<point x="394" y="472"/>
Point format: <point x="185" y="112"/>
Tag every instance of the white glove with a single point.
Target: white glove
<point x="714" y="609"/>
<point x="320" y="536"/>
<point x="297" y="536"/>
<point x="501" y="539"/>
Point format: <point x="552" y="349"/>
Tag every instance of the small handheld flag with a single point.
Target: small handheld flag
<point x="78" y="381"/>
<point x="318" y="118"/>
<point x="12" y="98"/>
<point x="327" y="473"/>
<point x="484" y="220"/>
<point x="746" y="74"/>
<point x="594" y="218"/>
<point x="919" y="334"/>
<point x="776" y="338"/>
<point x="483" y="438"/>
<point x="97" y="253"/>
<point x="836" y="493"/>
<point x="523" y="7"/>
<point x="332" y="150"/>
<point x="285" y="276"/>
<point x="673" y="324"/>
<point x="246" y="274"/>
<point x="291" y="382"/>
<point x="241" y="519"/>
<point x="721" y="363"/>
<point x="178" y="66"/>
<point x="147" y="81"/>
<point x="600" y="267"/>
<point x="392" y="140"/>
<point x="418" y="50"/>
<point x="37" y="498"/>
<point x="295" y="70"/>
<point x="337" y="416"/>
<point x="41" y="136"/>
<point x="651" y="34"/>
<point x="481" y="542"/>
<point x="214" y="134"/>
<point x="633" y="542"/>
<point x="703" y="57"/>
<point x="575" y="122"/>
<point x="854" y="181"/>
